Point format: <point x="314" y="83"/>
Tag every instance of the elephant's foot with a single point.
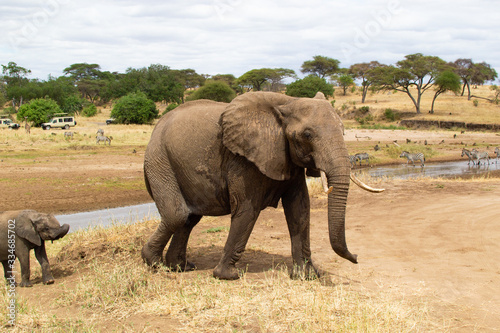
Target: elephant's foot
<point x="49" y="280"/>
<point x="305" y="271"/>
<point x="226" y="272"/>
<point x="150" y="257"/>
<point x="179" y="264"/>
<point x="25" y="284"/>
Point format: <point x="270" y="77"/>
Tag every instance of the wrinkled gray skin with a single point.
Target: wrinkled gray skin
<point x="210" y="158"/>
<point x="32" y="229"/>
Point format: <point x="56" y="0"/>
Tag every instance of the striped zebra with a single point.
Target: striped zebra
<point x="68" y="134"/>
<point x="362" y="156"/>
<point x="480" y="155"/>
<point x="497" y="151"/>
<point x="103" y="138"/>
<point x="469" y="155"/>
<point x="100" y="132"/>
<point x="353" y="159"/>
<point x="413" y="157"/>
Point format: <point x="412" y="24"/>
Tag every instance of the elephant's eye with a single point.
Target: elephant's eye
<point x="307" y="134"/>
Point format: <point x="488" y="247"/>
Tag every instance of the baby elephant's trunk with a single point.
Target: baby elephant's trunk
<point x="62" y="231"/>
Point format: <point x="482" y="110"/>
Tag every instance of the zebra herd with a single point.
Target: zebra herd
<point x="476" y="156"/>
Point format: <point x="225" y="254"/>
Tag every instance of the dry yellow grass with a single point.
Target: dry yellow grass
<point x="448" y="106"/>
<point x="200" y="303"/>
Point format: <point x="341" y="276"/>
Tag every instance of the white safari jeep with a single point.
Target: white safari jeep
<point x="7" y="123"/>
<point x="60" y="122"/>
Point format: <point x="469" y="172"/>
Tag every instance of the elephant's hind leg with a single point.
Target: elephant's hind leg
<point x="173" y="217"/>
<point x="176" y="254"/>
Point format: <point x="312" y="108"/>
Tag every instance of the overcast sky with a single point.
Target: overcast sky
<point x="234" y="36"/>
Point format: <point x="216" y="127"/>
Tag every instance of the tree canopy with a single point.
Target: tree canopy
<point x="446" y="81"/>
<point x="321" y="66"/>
<point x="134" y="108"/>
<point x="218" y="91"/>
<point x="309" y="86"/>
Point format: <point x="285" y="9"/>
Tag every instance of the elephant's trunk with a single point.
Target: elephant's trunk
<point x="61" y="232"/>
<point x="338" y="178"/>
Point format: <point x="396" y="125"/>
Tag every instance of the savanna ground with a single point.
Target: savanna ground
<point x="428" y="248"/>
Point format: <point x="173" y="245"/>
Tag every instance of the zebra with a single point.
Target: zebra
<point x="480" y="155"/>
<point x="100" y="138"/>
<point x="362" y="156"/>
<point x="68" y="134"/>
<point x="497" y="151"/>
<point x="469" y="155"/>
<point x="413" y="157"/>
<point x="353" y="159"/>
<point x="100" y="132"/>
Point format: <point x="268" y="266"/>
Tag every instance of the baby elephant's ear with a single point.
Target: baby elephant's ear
<point x="25" y="228"/>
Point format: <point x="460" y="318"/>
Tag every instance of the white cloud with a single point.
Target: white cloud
<point x="234" y="36"/>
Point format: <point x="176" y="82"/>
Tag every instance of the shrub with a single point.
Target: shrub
<point x="475" y="102"/>
<point x="72" y="104"/>
<point x="390" y="115"/>
<point x="89" y="111"/>
<point x="134" y="108"/>
<point x="218" y="91"/>
<point x="170" y="107"/>
<point x="309" y="86"/>
<point x="364" y="109"/>
<point x="38" y="111"/>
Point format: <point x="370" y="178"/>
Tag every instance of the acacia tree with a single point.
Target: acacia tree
<point x="345" y="81"/>
<point x="416" y="71"/>
<point x="88" y="78"/>
<point x="362" y="71"/>
<point x="320" y="66"/>
<point x="446" y="81"/>
<point x="481" y="73"/>
<point x="15" y="77"/>
<point x="257" y="78"/>
<point x="463" y="67"/>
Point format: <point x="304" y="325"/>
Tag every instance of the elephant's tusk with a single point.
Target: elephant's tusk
<point x="324" y="181"/>
<point x="364" y="186"/>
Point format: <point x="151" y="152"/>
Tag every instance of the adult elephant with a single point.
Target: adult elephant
<point x="211" y="158"/>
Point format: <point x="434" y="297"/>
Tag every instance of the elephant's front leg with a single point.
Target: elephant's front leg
<point x="23" y="255"/>
<point x="297" y="212"/>
<point x="242" y="223"/>
<point x="41" y="256"/>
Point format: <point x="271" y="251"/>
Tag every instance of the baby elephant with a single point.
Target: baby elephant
<point x="21" y="231"/>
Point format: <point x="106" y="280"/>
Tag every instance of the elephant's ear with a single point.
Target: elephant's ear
<point x="25" y="228"/>
<point x="252" y="127"/>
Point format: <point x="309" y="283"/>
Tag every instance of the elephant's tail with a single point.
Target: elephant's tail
<point x="148" y="187"/>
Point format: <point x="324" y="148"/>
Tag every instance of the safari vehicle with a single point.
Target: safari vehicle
<point x="7" y="123"/>
<point x="60" y="120"/>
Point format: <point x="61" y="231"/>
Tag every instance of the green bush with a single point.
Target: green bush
<point x="170" y="107"/>
<point x="475" y="102"/>
<point x="218" y="91"/>
<point x="390" y="115"/>
<point x="364" y="109"/>
<point x="134" y="108"/>
<point x="309" y="86"/>
<point x="38" y="111"/>
<point x="89" y="111"/>
<point x="72" y="104"/>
